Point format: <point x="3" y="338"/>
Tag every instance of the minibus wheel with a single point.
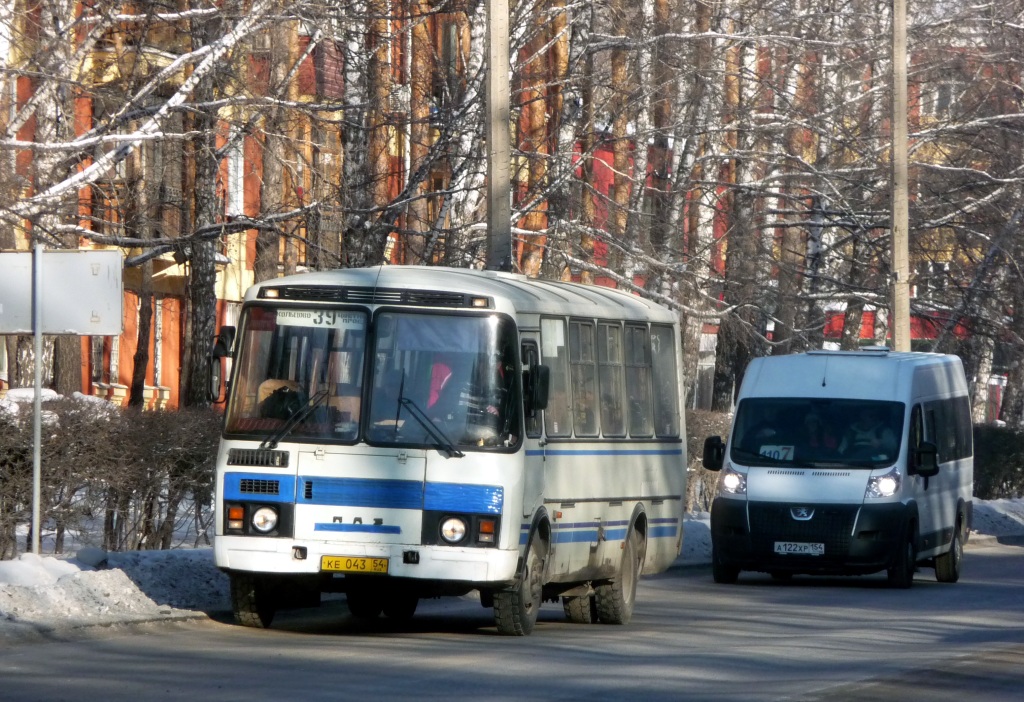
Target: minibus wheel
<point x="253" y="600"/>
<point x="515" y="609"/>
<point x="722" y="573"/>
<point x="948" y="565"/>
<point x="901" y="572"/>
<point x="400" y="606"/>
<point x="615" y="599"/>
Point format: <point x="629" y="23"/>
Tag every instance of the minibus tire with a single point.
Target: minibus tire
<point x="722" y="574"/>
<point x="252" y="600"/>
<point x="580" y="609"/>
<point x="949" y="564"/>
<point x="516" y="609"/>
<point x="901" y="572"/>
<point x="615" y="599"/>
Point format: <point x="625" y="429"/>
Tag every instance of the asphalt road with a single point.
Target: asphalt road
<point x="806" y="639"/>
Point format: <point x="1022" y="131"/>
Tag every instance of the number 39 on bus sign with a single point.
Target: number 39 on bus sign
<point x="777" y="452"/>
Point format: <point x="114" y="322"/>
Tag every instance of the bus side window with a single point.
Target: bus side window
<point x="555" y="355"/>
<point x="638" y="381"/>
<point x="530" y="358"/>
<point x="584" y="377"/>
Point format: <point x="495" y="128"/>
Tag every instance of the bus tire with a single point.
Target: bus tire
<point x="720" y="572"/>
<point x="364" y="603"/>
<point x="901" y="572"/>
<point x="400" y="607"/>
<point x="615" y="599"/>
<point x="516" y="609"/>
<point x="252" y="600"/>
<point x="949" y="564"/>
<point x="580" y="609"/>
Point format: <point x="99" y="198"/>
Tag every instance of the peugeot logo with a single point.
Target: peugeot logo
<point x="801" y="514"/>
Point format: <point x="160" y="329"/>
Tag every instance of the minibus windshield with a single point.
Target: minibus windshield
<point x="817" y="433"/>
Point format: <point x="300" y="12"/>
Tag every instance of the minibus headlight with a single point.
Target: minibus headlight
<point x="453" y="530"/>
<point x="884" y="485"/>
<point x="264" y="520"/>
<point x="733" y="482"/>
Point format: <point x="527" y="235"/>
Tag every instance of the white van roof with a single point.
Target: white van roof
<point x="875" y="373"/>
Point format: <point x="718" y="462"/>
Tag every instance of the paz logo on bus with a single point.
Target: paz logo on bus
<point x="801" y="514"/>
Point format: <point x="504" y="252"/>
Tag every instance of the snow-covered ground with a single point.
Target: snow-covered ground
<point x="44" y="594"/>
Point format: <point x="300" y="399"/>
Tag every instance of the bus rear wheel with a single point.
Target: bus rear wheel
<point x="580" y="609"/>
<point x="615" y="599"/>
<point x="253" y="601"/>
<point x="516" y="609"/>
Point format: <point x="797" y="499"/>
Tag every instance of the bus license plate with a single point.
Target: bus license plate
<point x="353" y="564"/>
<point x="797" y="548"/>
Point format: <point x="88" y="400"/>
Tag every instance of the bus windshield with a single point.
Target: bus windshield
<point x="817" y="433"/>
<point x="441" y="381"/>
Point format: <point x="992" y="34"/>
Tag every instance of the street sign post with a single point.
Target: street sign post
<point x="57" y="292"/>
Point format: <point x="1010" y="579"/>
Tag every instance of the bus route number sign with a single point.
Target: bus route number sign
<point x="353" y="564"/>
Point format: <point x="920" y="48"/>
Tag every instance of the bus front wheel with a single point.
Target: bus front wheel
<point x="516" y="609"/>
<point x="253" y="600"/>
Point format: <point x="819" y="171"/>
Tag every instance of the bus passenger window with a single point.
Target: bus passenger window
<point x="584" y="378"/>
<point x="554" y="354"/>
<point x="638" y="382"/>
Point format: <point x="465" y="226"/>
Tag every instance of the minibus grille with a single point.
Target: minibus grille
<point x="393" y="296"/>
<point x="831" y="525"/>
<point x="265" y="458"/>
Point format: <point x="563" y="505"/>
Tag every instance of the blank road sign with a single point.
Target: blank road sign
<point x="80" y="292"/>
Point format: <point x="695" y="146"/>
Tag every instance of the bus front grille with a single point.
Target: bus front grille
<point x="254" y="486"/>
<point x="265" y="458"/>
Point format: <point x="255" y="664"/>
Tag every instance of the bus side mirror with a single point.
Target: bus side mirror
<point x="925" y="460"/>
<point x="536" y="384"/>
<point x="714" y="453"/>
<point x="222" y="344"/>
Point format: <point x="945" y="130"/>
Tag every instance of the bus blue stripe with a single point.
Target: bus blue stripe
<point x="364" y="528"/>
<point x="604" y="452"/>
<point x="459" y="497"/>
<point x="362" y="492"/>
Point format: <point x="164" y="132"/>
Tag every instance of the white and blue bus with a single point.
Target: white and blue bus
<point x="396" y="433"/>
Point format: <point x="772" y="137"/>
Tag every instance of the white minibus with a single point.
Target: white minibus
<point x="845" y="463"/>
<point x="398" y="433"/>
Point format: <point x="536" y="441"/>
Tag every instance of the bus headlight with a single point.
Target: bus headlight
<point x="884" y="485"/>
<point x="264" y="520"/>
<point x="732" y="481"/>
<point x="453" y="530"/>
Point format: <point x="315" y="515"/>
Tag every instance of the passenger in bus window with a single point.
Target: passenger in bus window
<point x="868" y="434"/>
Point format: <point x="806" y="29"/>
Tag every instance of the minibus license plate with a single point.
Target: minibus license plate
<point x="797" y="548"/>
<point x="353" y="564"/>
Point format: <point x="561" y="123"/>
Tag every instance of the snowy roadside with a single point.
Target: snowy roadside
<point x="49" y="596"/>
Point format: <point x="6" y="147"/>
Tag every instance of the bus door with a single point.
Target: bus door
<point x="533" y="448"/>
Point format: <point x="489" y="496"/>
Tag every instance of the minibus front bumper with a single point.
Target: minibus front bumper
<point x="793" y="537"/>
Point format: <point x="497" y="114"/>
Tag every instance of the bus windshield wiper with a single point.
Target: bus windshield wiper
<point x="443" y="442"/>
<point x="295" y="419"/>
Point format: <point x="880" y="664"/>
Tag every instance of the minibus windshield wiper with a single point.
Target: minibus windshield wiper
<point x="441" y="439"/>
<point x="295" y="419"/>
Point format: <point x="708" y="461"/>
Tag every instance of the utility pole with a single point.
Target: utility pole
<point x="499" y="208"/>
<point x="900" y="218"/>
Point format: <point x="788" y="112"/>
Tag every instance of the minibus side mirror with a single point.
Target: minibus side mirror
<point x="714" y="453"/>
<point x="925" y="460"/>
